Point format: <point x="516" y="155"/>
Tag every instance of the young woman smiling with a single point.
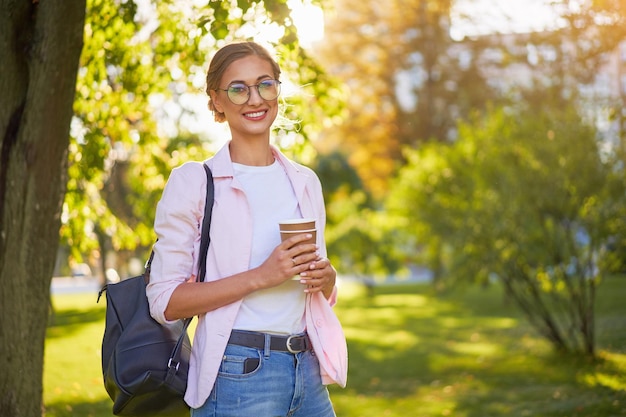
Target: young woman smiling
<point x="266" y="344"/>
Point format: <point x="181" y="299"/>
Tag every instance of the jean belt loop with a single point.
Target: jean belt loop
<point x="267" y="348"/>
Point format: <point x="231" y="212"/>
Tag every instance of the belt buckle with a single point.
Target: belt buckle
<point x="289" y="348"/>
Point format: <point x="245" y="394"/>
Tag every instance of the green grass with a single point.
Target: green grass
<point x="72" y="372"/>
<point x="465" y="354"/>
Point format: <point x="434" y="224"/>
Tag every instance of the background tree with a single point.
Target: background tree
<point x="40" y="44"/>
<point x="508" y="202"/>
<point x="407" y="81"/>
<point x="354" y="227"/>
<point x="135" y="62"/>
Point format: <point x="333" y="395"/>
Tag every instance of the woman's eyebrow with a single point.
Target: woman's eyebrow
<point x="260" y="78"/>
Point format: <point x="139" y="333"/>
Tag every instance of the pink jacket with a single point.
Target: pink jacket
<point x="177" y="225"/>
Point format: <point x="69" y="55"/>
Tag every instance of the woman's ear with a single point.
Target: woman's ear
<point x="215" y="98"/>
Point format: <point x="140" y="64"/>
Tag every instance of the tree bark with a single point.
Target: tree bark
<point x="40" y="46"/>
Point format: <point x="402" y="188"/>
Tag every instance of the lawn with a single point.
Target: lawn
<point x="466" y="354"/>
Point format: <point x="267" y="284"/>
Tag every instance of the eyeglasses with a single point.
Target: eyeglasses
<point x="239" y="93"/>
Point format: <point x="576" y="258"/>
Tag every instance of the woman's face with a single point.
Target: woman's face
<point x="255" y="117"/>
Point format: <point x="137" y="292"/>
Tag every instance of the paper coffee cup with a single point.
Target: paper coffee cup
<point x="286" y="234"/>
<point x="297" y="224"/>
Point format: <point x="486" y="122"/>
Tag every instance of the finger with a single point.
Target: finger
<point x="319" y="264"/>
<point x="312" y="287"/>
<point x="304" y="259"/>
<point x="298" y="239"/>
<point x="314" y="282"/>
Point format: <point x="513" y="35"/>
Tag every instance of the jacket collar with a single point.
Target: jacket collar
<point x="222" y="167"/>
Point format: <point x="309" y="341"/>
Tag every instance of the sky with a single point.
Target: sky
<point x="505" y="16"/>
<point x="487" y="16"/>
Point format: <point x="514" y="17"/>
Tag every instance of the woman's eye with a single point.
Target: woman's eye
<point x="237" y="89"/>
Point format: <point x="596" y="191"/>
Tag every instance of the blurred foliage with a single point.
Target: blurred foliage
<point x="524" y="198"/>
<point x="360" y="240"/>
<point x="406" y="81"/>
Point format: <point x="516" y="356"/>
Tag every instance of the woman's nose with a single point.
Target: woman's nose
<point x="255" y="97"/>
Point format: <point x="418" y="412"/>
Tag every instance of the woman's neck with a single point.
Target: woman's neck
<point x="251" y="154"/>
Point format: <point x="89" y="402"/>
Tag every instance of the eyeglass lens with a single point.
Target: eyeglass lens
<point x="240" y="93"/>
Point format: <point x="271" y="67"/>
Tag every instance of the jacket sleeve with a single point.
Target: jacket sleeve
<point x="328" y="339"/>
<point x="177" y="225"/>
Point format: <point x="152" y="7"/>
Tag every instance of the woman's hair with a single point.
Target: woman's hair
<point x="226" y="56"/>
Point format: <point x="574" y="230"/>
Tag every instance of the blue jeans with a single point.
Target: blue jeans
<point x="282" y="385"/>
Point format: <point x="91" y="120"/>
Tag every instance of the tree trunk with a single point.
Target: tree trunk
<point x="40" y="46"/>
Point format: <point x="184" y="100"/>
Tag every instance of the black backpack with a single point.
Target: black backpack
<point x="145" y="364"/>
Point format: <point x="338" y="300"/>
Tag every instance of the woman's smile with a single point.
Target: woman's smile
<point x="255" y="115"/>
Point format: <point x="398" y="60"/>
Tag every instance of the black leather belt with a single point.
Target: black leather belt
<point x="292" y="344"/>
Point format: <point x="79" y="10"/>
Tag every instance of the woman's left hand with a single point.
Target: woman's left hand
<point x="320" y="276"/>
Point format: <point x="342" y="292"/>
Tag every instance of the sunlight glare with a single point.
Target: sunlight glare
<point x="309" y="19"/>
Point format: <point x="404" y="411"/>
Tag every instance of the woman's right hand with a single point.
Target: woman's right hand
<point x="287" y="260"/>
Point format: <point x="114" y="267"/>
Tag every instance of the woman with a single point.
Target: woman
<point x="266" y="344"/>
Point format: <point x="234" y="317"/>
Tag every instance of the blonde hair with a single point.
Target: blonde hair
<point x="226" y="56"/>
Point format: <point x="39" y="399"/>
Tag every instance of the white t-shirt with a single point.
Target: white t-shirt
<point x="278" y="310"/>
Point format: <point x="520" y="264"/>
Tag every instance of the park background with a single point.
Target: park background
<point x="450" y="136"/>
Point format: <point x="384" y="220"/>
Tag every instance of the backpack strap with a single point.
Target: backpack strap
<point x="205" y="239"/>
<point x="206" y="223"/>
